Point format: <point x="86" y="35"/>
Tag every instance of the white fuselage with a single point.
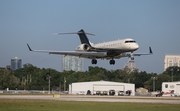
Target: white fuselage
<point x="123" y="45"/>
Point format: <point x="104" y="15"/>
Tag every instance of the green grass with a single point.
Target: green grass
<point x="50" y="105"/>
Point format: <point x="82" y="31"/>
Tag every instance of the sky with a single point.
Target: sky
<point x="154" y="23"/>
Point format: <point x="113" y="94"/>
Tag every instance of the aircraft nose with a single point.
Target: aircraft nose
<point x="136" y="46"/>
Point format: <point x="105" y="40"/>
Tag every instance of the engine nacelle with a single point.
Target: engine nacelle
<point x="83" y="47"/>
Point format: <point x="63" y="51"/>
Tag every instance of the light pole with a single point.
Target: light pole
<point x="64" y="84"/>
<point x="49" y="78"/>
<point x="154" y="78"/>
<point x="177" y="71"/>
<point x="49" y="84"/>
<point x="172" y="75"/>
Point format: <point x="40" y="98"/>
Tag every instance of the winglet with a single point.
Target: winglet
<point x="29" y="48"/>
<point x="150" y="51"/>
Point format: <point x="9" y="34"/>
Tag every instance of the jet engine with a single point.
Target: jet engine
<point x="83" y="47"/>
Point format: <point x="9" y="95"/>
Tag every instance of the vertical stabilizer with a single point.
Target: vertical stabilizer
<point x="83" y="37"/>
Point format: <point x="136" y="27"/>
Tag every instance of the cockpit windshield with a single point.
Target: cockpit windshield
<point x="130" y="41"/>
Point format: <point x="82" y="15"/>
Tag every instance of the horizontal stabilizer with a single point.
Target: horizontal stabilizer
<point x="80" y="32"/>
<point x="150" y="52"/>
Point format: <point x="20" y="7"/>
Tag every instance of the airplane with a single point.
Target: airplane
<point x="107" y="50"/>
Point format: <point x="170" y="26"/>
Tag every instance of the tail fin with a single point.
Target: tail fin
<point x="83" y="37"/>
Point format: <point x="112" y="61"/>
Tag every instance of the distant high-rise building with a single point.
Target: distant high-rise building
<point x="8" y="66"/>
<point x="130" y="65"/>
<point x="72" y="63"/>
<point x="16" y="63"/>
<point x="171" y="60"/>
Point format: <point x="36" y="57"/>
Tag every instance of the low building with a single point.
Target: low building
<point x="171" y="88"/>
<point x="141" y="90"/>
<point x="100" y="86"/>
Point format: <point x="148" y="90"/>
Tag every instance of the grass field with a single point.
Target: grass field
<point x="49" y="105"/>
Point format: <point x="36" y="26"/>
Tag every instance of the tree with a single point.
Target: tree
<point x="174" y="72"/>
<point x="139" y="79"/>
<point x="33" y="78"/>
<point x="160" y="79"/>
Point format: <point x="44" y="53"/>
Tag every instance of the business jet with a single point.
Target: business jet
<point x="107" y="50"/>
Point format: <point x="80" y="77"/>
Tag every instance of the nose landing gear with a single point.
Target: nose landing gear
<point x="132" y="58"/>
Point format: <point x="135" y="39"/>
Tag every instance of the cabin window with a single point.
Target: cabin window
<point x="166" y="85"/>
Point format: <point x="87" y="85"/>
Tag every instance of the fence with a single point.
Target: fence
<point x="59" y="92"/>
<point x="31" y="92"/>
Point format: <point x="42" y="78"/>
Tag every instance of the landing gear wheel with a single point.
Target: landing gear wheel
<point x="132" y="58"/>
<point x="94" y="61"/>
<point x="112" y="62"/>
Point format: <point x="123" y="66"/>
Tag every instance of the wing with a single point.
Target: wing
<point x="136" y="54"/>
<point x="91" y="55"/>
<point x="73" y="53"/>
<point x="130" y="55"/>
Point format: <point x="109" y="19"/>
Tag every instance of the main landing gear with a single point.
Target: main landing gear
<point x="94" y="61"/>
<point x="112" y="62"/>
